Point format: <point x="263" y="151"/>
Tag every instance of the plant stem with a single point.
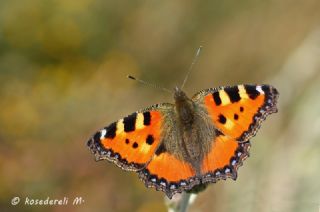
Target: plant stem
<point x="180" y="202"/>
<point x="184" y="202"/>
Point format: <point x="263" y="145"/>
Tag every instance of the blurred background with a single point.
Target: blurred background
<point x="63" y="67"/>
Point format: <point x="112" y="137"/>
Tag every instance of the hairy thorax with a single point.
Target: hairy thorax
<point x="192" y="122"/>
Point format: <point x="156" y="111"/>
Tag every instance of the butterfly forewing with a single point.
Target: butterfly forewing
<point x="131" y="142"/>
<point x="239" y="110"/>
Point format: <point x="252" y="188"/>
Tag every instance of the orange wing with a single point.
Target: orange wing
<point x="239" y="110"/>
<point x="224" y="158"/>
<point x="131" y="142"/>
<point x="167" y="173"/>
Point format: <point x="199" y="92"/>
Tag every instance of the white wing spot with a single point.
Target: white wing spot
<point x="258" y="88"/>
<point x="233" y="162"/>
<point x="172" y="187"/>
<point x="103" y="133"/>
<point x="183" y="183"/>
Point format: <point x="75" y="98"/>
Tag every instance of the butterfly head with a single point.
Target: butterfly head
<point x="179" y="95"/>
<point x="184" y="106"/>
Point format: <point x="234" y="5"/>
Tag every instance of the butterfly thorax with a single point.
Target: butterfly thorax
<point x="184" y="108"/>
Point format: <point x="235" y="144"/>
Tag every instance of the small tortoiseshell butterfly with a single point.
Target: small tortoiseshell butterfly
<point x="179" y="147"/>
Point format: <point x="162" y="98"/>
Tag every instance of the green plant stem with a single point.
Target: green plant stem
<point x="184" y="202"/>
<point x="180" y="202"/>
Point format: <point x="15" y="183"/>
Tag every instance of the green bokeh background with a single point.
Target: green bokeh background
<point x="63" y="67"/>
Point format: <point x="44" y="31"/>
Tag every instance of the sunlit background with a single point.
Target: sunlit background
<point x="63" y="67"/>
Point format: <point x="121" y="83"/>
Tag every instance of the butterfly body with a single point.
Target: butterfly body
<point x="195" y="131"/>
<point x="195" y="141"/>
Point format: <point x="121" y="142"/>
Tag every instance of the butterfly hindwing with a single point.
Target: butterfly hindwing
<point x="224" y="158"/>
<point x="131" y="142"/>
<point x="167" y="173"/>
<point x="238" y="111"/>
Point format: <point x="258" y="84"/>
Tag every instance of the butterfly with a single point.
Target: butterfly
<point x="193" y="142"/>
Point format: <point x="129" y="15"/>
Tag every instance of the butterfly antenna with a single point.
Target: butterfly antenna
<point x="150" y="84"/>
<point x="191" y="66"/>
